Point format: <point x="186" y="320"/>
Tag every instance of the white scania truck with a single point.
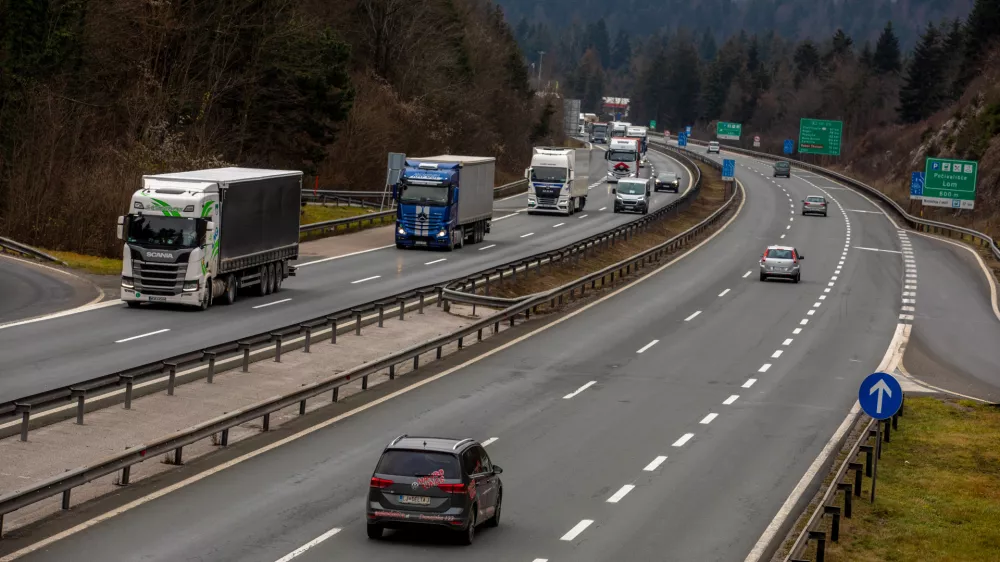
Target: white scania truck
<point x="623" y="159"/>
<point x="192" y="237"/>
<point x="555" y="183"/>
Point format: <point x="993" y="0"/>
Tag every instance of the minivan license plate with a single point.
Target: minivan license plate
<point x="415" y="500"/>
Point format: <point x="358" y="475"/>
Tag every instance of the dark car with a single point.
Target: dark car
<point x="435" y="481"/>
<point x="667" y="181"/>
<point x="814" y="205"/>
<point x="782" y="169"/>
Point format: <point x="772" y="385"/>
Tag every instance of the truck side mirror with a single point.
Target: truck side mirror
<point x="613" y="191"/>
<point x="394" y="191"/>
<point x="121" y="227"/>
<point x="209" y="232"/>
<point x="526" y="170"/>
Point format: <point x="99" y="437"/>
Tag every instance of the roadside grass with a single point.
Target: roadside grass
<point x="319" y="213"/>
<point x="938" y="495"/>
<point x="90" y="264"/>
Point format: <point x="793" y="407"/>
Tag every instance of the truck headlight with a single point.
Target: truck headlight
<point x="401" y="231"/>
<point x="127" y="282"/>
<point x="442" y="234"/>
<point x="192" y="286"/>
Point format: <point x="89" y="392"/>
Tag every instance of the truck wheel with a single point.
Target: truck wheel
<point x="229" y="297"/>
<point x="133" y="304"/>
<point x="279" y="275"/>
<point x="570" y="206"/>
<point x="207" y="301"/>
<point x="262" y="286"/>
<point x="461" y="237"/>
<point x="583" y="203"/>
<point x="270" y="278"/>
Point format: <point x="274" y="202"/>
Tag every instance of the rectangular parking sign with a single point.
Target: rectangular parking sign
<point x="728" y="170"/>
<point x="917" y="185"/>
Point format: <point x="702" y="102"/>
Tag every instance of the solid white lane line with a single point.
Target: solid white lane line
<point x="787" y="341"/>
<point x="487" y="247"/>
<point x="648" y="345"/>
<point x="558" y="225"/>
<point x="582" y="216"/>
<point x="860" y="211"/>
<point x="723" y="293"/>
<point x="708" y="419"/>
<point x="797" y="331"/>
<point x="143" y="335"/>
<point x="577" y="529"/>
<point x="656" y="462"/>
<point x="527" y="235"/>
<point x="302" y="549"/>
<point x="692" y="317"/>
<point x="749" y="383"/>
<point x="764" y="368"/>
<point x="579" y="390"/>
<point x="436" y="261"/>
<point x="490" y="441"/>
<point x="747" y="274"/>
<point x="617" y="496"/>
<point x="732" y="398"/>
<point x="877" y="250"/>
<point x="684" y="439"/>
<point x="270" y="303"/>
<point x="365" y="279"/>
<point x="777" y="353"/>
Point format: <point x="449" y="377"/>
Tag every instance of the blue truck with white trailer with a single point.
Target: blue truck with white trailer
<point x="444" y="201"/>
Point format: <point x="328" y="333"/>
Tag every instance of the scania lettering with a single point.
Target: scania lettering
<point x="192" y="237"/>
<point x="623" y="159"/>
<point x="641" y="133"/>
<point x="444" y="201"/>
<point x="555" y="186"/>
<point x="599" y="133"/>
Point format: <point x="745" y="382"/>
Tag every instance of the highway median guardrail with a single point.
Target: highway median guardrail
<point x="23" y="249"/>
<point x="174" y="444"/>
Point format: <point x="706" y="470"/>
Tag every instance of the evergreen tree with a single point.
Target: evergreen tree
<point x="806" y="61"/>
<point x="621" y="55"/>
<point x="954" y="44"/>
<point x="982" y="29"/>
<point x="924" y="92"/>
<point x="842" y="44"/>
<point x="867" y="58"/>
<point x="598" y="39"/>
<point x="707" y="48"/>
<point x="887" y="57"/>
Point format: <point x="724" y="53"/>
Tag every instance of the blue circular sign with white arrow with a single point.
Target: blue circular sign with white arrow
<point x="880" y="395"/>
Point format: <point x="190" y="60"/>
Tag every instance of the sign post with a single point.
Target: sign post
<point x="756" y="141"/>
<point x="950" y="183"/>
<point x="789" y="146"/>
<point x="818" y="136"/>
<point x="880" y="397"/>
<point x="728" y="131"/>
<point x="397" y="161"/>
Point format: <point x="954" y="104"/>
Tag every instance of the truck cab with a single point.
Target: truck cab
<point x="623" y="159"/>
<point x="599" y="133"/>
<point x="641" y="133"/>
<point x="554" y="185"/>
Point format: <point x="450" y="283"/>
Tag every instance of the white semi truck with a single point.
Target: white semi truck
<point x="641" y="133"/>
<point x="192" y="237"/>
<point x="623" y="157"/>
<point x="556" y="184"/>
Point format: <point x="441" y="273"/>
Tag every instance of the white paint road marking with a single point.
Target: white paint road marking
<point x="505" y="217"/>
<point x="540" y="560"/>
<point x="776" y="354"/>
<point x="797" y="331"/>
<point x="764" y="368"/>
<point x="656" y="463"/>
<point x="365" y="279"/>
<point x="270" y="303"/>
<point x="692" y="317"/>
<point x="579" y="390"/>
<point x="811" y="312"/>
<point x="617" y="496"/>
<point x="487" y="247"/>
<point x="558" y="225"/>
<point x="860" y="211"/>
<point x="749" y="383"/>
<point x="84" y="308"/>
<point x="732" y="398"/>
<point x="527" y="235"/>
<point x="684" y="439"/>
<point x="723" y="293"/>
<point x="804" y="321"/>
<point x="490" y="441"/>
<point x="143" y="335"/>
<point x="602" y="208"/>
<point x="577" y="529"/>
<point x="877" y="250"/>
<point x="436" y="261"/>
<point x="314" y="262"/>
<point x="787" y="341"/>
<point x="302" y="549"/>
<point x="708" y="419"/>
<point x="747" y="274"/>
<point x="648" y="345"/>
<point x="582" y="216"/>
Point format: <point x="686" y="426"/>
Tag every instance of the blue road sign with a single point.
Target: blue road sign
<point x="682" y="139"/>
<point x="880" y="395"/>
<point x="687" y="129"/>
<point x="916" y="185"/>
<point x="618" y="116"/>
<point x="789" y="146"/>
<point x="728" y="170"/>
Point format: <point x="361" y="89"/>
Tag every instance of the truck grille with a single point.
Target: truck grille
<point x="548" y="201"/>
<point x="158" y="278"/>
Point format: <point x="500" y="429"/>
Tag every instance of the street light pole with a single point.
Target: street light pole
<point x="540" y="55"/>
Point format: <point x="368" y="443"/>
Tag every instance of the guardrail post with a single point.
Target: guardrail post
<point x="357" y="323"/>
<point x="364" y="382"/>
<point x="420" y="310"/>
<point x="835" y="524"/>
<point x="460" y="342"/>
<point x="65" y="499"/>
<point x="895" y="421"/>
<point x="438" y="352"/>
<point x="128" y="389"/>
<point x="480" y="334"/>
<point x="496" y="327"/>
<point x="80" y="394"/>
<point x="302" y="407"/>
<point x="333" y="329"/>
<point x="416" y="362"/>
<point x="486" y="284"/>
<point x="512" y="321"/>
<point x="381" y="310"/>
<point x="846" y="488"/>
<point x="868" y="450"/>
<point x="856" y="467"/>
<point x="440" y="292"/>
<point x="179" y="456"/>
<point x="210" y="355"/>
<point x="402" y="307"/>
<point x="820" y="538"/>
<point x="308" y="340"/>
<point x="336" y="394"/>
<point x="267" y="423"/>
<point x="172" y="377"/>
<point x="224" y="442"/>
<point x="126" y="474"/>
<point x="25" y="411"/>
<point x="886" y="432"/>
<point x="245" y="347"/>
<point x="392" y="372"/>
<point x="276" y="338"/>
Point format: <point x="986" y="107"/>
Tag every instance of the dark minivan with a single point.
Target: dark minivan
<point x="782" y="169"/>
<point x="435" y="481"/>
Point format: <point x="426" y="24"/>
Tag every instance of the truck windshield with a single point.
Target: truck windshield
<point x="424" y="194"/>
<point x="600" y="129"/>
<point x="621" y="156"/>
<point x="631" y="188"/>
<point x="548" y="173"/>
<point x="163" y="232"/>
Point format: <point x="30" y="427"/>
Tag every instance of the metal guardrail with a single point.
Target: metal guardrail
<point x="25" y="250"/>
<point x="917" y="223"/>
<point x="175" y="443"/>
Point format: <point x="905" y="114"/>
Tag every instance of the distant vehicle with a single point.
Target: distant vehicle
<point x="667" y="181"/>
<point x="782" y="169"/>
<point x="599" y="133"/>
<point x="623" y="159"/>
<point x="713" y="146"/>
<point x="781" y="262"/>
<point x="632" y="195"/>
<point x="554" y="183"/>
<point x="619" y="129"/>
<point x="444" y="201"/>
<point x="433" y="481"/>
<point x="191" y="237"/>
<point x="814" y="205"/>
<point x="641" y="133"/>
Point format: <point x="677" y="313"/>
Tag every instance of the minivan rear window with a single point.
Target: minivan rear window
<point x="400" y="462"/>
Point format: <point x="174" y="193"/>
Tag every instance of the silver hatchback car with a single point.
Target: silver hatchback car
<point x="814" y="204"/>
<point x="781" y="262"/>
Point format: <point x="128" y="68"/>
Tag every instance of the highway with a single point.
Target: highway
<point x="49" y="354"/>
<point x="707" y="391"/>
<point x="29" y="290"/>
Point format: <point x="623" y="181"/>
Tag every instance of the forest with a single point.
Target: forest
<point x="95" y="94"/>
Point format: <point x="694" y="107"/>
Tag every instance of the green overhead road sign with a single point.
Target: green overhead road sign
<point x="950" y="183"/>
<point x="728" y="131"/>
<point x="652" y="124"/>
<point x="817" y="136"/>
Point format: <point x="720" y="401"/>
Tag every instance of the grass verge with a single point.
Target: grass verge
<point x="90" y="264"/>
<point x="319" y="213"/>
<point x="938" y="495"/>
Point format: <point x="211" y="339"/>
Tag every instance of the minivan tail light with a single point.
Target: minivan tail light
<point x="452" y="488"/>
<point x="380" y="482"/>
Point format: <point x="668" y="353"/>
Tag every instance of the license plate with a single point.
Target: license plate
<point x="415" y="500"/>
<point x="420" y="243"/>
<point x="164" y="299"/>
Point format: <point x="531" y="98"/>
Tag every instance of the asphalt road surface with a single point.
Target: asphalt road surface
<point x="28" y="290"/>
<point x="61" y="351"/>
<point x="705" y="390"/>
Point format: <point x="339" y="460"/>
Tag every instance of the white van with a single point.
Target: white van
<point x="713" y="146"/>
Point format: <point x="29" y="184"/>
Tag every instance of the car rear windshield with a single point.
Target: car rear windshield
<point x="668" y="176"/>
<point x="779" y="254"/>
<point x="815" y="199"/>
<point x="781" y="164"/>
<point x="418" y="463"/>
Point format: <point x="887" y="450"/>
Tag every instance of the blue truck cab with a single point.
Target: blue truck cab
<point x="444" y="201"/>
